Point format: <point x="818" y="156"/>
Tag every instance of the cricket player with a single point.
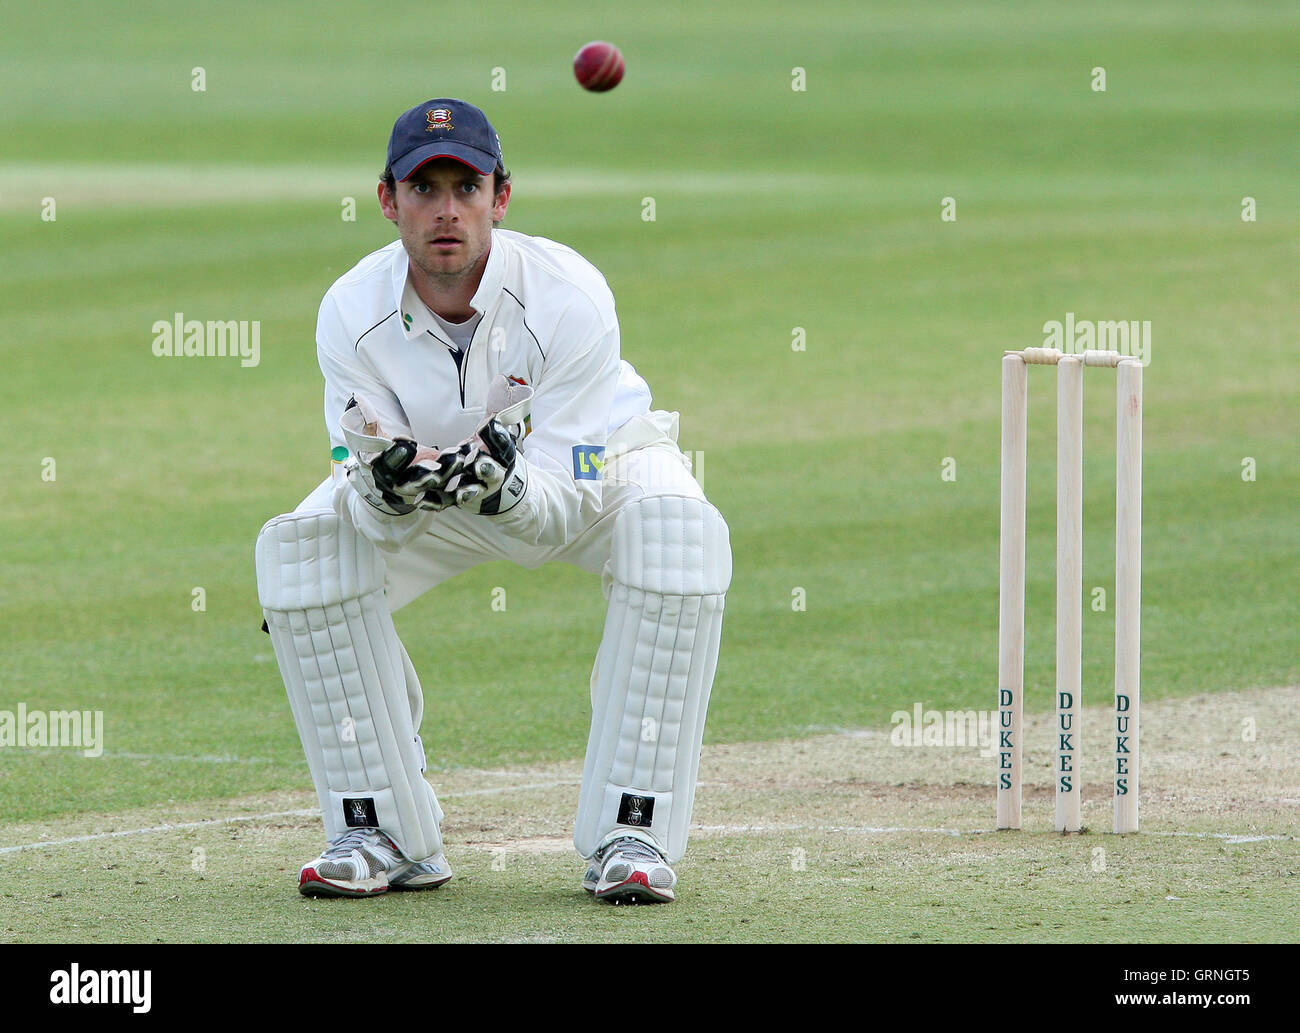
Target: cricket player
<point x="478" y="409"/>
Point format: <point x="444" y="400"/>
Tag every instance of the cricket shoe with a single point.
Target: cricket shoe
<point x="365" y="863"/>
<point x="630" y="871"/>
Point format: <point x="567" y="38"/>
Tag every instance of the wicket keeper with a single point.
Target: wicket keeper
<point x="478" y="409"/>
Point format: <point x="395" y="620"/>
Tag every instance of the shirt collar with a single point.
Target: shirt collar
<point x="414" y="314"/>
<point x="494" y="276"/>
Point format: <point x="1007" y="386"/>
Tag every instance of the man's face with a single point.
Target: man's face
<point x="444" y="213"/>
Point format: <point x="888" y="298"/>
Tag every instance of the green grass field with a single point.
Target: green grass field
<point x="134" y="480"/>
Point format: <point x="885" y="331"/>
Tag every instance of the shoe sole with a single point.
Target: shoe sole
<point x="408" y="886"/>
<point x="636" y="890"/>
<point x="310" y="884"/>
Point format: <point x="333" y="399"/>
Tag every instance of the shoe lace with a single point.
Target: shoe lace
<point x="353" y="839"/>
<point x="635" y="849"/>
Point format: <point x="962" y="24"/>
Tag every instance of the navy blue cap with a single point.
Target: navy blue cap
<point x="444" y="128"/>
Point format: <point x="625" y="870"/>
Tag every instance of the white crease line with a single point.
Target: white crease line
<point x="488" y="773"/>
<point x="498" y="790"/>
<point x="185" y="826"/>
<point x="233" y="759"/>
<point x="214" y="822"/>
<point x="1228" y="837"/>
<point x="876" y="830"/>
<point x="188" y="758"/>
<point x="869" y="830"/>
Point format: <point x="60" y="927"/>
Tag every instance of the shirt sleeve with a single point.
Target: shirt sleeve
<point x="347" y="373"/>
<point x="565" y="450"/>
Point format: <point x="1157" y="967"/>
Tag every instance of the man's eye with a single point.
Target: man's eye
<point x="469" y="188"/>
<point x="420" y="188"/>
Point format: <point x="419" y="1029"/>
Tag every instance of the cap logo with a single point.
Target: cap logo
<point x="438" y="118"/>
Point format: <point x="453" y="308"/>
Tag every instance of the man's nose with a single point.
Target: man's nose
<point x="445" y="207"/>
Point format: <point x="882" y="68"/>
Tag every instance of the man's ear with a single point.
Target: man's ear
<point x="387" y="202"/>
<point x="501" y="203"/>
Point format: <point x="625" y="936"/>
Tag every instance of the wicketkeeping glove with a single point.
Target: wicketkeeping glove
<point x="423" y="481"/>
<point x="483" y="474"/>
<point x="493" y="475"/>
<point x="382" y="469"/>
<point x="373" y="481"/>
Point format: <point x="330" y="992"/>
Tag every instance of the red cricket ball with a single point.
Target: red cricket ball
<point x="598" y="66"/>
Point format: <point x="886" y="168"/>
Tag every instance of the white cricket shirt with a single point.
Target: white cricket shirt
<point x="547" y="318"/>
